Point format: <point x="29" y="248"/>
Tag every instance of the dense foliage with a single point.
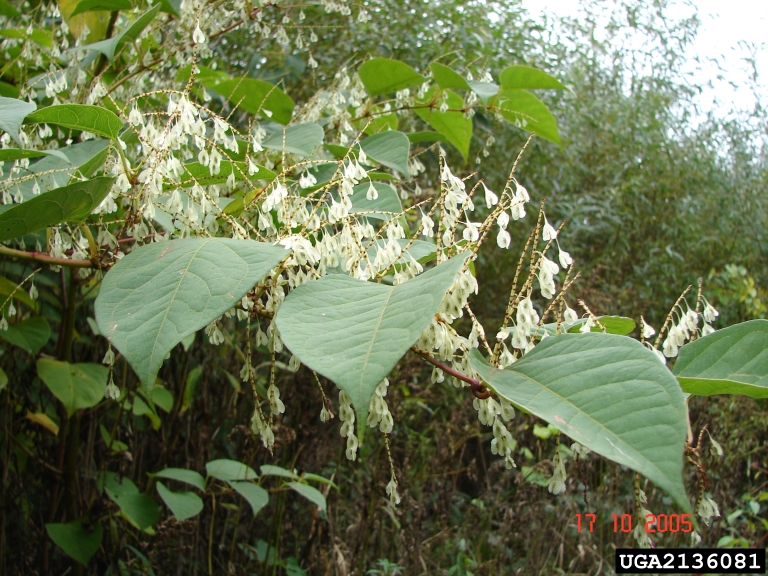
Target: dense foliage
<point x="214" y="214"/>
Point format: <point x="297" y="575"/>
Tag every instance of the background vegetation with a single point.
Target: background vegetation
<point x="656" y="193"/>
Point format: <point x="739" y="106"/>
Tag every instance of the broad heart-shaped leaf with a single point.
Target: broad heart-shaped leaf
<point x="30" y="334"/>
<point x="385" y="207"/>
<point x="16" y="154"/>
<point x="451" y="124"/>
<point x="733" y="360"/>
<point x="90" y="5"/>
<point x="254" y="494"/>
<point x="75" y="540"/>
<point x="255" y="96"/>
<point x="527" y="112"/>
<point x="608" y="393"/>
<point x="228" y="470"/>
<point x="76" y="385"/>
<point x="73" y="202"/>
<point x="162" y="292"/>
<point x="110" y="47"/>
<point x="526" y="77"/>
<point x="138" y="508"/>
<point x="300" y="139"/>
<point x="310" y="493"/>
<point x="183" y="475"/>
<point x="12" y="114"/>
<point x="79" y="117"/>
<point x="183" y="504"/>
<point x="55" y="171"/>
<point x="354" y="332"/>
<point x="447" y="78"/>
<point x="384" y="75"/>
<point x="390" y="149"/>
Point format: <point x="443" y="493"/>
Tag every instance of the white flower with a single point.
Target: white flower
<point x="707" y="330"/>
<point x="502" y="220"/>
<point x="394" y="497"/>
<point x="198" y="35"/>
<point x="565" y="258"/>
<point x="503" y="239"/>
<point x="556" y="483"/>
<point x="548" y="232"/>
<point x="372" y="192"/>
<point x="111" y="391"/>
<point x="648" y="330"/>
<point x="471" y="232"/>
<point x="570" y="315"/>
<point x="710" y="313"/>
<point x="707" y="509"/>
<point x="490" y="198"/>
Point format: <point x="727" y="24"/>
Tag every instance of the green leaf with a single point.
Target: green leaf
<point x="183" y="504"/>
<point x="110" y="46"/>
<point x="75" y="540"/>
<point x="447" y="78"/>
<point x="93" y="119"/>
<point x="7" y="9"/>
<point x="7" y="154"/>
<point x="321" y="479"/>
<point x="141" y="408"/>
<point x="138" y="508"/>
<point x="384" y="75"/>
<point x="183" y="475"/>
<point x="7" y="90"/>
<point x="30" y="334"/>
<point x="485" y="90"/>
<point x="608" y="393"/>
<point x="272" y="470"/>
<point x="310" y="493"/>
<point x="114" y="446"/>
<point x="194" y="172"/>
<point x="528" y="113"/>
<point x="162" y="398"/>
<point x="256" y="96"/>
<point x="3" y="379"/>
<point x="300" y="139"/>
<point x="426" y="136"/>
<point x="73" y="202"/>
<point x="54" y="172"/>
<point x="390" y="149"/>
<point x="228" y="470"/>
<point x="162" y="292"/>
<point x="375" y="120"/>
<point x="12" y="114"/>
<point x="254" y="494"/>
<point x="354" y="332"/>
<point x="733" y="360"/>
<point x="19" y="293"/>
<point x="90" y="5"/>
<point x="526" y="77"/>
<point x="385" y="207"/>
<point x="76" y="385"/>
<point x="451" y="124"/>
<point x="613" y="325"/>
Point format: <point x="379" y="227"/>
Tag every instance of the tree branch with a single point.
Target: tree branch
<point x="478" y="388"/>
<point x="45" y="258"/>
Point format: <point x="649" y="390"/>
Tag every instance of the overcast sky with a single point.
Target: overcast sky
<point x="724" y="25"/>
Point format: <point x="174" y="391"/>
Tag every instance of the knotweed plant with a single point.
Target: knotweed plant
<point x="334" y="235"/>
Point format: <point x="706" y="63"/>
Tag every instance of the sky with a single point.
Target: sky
<point x="725" y="26"/>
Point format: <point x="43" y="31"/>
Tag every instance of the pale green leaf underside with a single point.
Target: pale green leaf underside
<point x="76" y="385"/>
<point x="110" y="46"/>
<point x="162" y="292"/>
<point x="608" y="393"/>
<point x="310" y="493"/>
<point x="183" y="504"/>
<point x="300" y="139"/>
<point x="183" y="475"/>
<point x="390" y="148"/>
<point x="254" y="494"/>
<point x="354" y="332"/>
<point x="12" y="113"/>
<point x="73" y="202"/>
<point x="730" y="361"/>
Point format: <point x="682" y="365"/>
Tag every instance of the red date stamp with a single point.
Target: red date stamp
<point x="654" y="523"/>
